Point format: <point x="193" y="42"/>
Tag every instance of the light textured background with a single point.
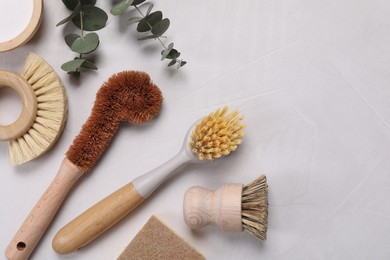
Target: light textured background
<point x="313" y="81"/>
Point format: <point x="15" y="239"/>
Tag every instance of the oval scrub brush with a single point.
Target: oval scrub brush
<point x="233" y="207"/>
<point x="127" y="96"/>
<point x="44" y="110"/>
<point x="215" y="135"/>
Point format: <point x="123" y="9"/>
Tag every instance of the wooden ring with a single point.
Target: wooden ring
<point x="28" y="32"/>
<point x="29" y="106"/>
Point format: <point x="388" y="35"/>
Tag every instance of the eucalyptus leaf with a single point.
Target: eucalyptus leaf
<point x="149" y="9"/>
<point x="86" y="44"/>
<point x="73" y="65"/>
<point x="70" y="38"/>
<point x="71" y="4"/>
<point x="182" y="63"/>
<point x="94" y="18"/>
<point x="87" y="64"/>
<point x="161" y="27"/>
<point x="147" y="37"/>
<point x="75" y="13"/>
<point x="172" y="62"/>
<point x="137" y="2"/>
<point x="147" y="23"/>
<point x="121" y="7"/>
<point x="165" y="53"/>
<point x="173" y="54"/>
<point x="133" y="20"/>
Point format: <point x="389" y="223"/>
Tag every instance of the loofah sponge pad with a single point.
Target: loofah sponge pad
<point x="157" y="241"/>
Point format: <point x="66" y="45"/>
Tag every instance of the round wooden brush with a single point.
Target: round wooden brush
<point x="43" y="113"/>
<point x="233" y="207"/>
<point x="127" y="96"/>
<point x="214" y="136"/>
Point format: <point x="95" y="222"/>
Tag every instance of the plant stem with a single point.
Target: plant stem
<point x="150" y="26"/>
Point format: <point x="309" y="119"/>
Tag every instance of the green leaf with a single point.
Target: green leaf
<point x="147" y="23"/>
<point x="137" y="2"/>
<point x="75" y="13"/>
<point x="71" y="4"/>
<point x="173" y="54"/>
<point x="135" y="19"/>
<point x="161" y="27"/>
<point x="147" y="37"/>
<point x="172" y="62"/>
<point x="70" y="38"/>
<point x="121" y="7"/>
<point x="149" y="9"/>
<point x="88" y="65"/>
<point x="73" y="65"/>
<point x="86" y="44"/>
<point x="94" y="18"/>
<point x="165" y="53"/>
<point x="182" y="63"/>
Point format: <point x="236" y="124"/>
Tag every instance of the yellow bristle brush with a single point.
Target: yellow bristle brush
<point x="44" y="110"/>
<point x="214" y="136"/>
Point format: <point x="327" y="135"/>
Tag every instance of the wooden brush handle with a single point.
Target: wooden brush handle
<point x="93" y="222"/>
<point x="222" y="207"/>
<point x="36" y="223"/>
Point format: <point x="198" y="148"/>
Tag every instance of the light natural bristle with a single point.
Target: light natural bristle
<point x="51" y="114"/>
<point x="217" y="134"/>
<point x="255" y="208"/>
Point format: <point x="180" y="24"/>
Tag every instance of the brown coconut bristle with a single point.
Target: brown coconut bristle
<point x="255" y="208"/>
<point x="217" y="134"/>
<point x="127" y="96"/>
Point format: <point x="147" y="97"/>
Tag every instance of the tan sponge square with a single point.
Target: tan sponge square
<point x="157" y="241"/>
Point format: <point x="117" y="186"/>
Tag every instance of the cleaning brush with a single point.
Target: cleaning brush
<point x="43" y="113"/>
<point x="233" y="207"/>
<point x="126" y="96"/>
<point x="214" y="136"/>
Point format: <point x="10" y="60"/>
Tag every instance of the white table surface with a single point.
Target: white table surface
<point x="313" y="81"/>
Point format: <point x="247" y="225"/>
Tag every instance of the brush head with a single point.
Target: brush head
<point x="217" y="134"/>
<point x="51" y="112"/>
<point x="255" y="208"/>
<point x="126" y="96"/>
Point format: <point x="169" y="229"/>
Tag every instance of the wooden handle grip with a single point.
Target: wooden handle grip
<point x="40" y="217"/>
<point x="222" y="207"/>
<point x="97" y="219"/>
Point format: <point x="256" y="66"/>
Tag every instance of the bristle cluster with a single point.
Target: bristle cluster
<point x="51" y="114"/>
<point x="126" y="96"/>
<point x="255" y="208"/>
<point x="217" y="134"/>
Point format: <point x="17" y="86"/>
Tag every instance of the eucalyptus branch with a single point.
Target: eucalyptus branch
<point x="87" y="17"/>
<point x="150" y="22"/>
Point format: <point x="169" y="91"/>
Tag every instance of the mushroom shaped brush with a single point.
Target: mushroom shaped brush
<point x="127" y="96"/>
<point x="214" y="136"/>
<point x="234" y="207"/>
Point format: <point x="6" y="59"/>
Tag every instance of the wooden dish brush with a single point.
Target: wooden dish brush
<point x="128" y="96"/>
<point x="233" y="207"/>
<point x="44" y="110"/>
<point x="214" y="136"/>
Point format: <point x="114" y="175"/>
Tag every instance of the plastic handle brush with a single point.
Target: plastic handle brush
<point x="214" y="136"/>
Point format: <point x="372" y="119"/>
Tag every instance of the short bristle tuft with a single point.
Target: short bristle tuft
<point x="217" y="134"/>
<point x="255" y="208"/>
<point x="51" y="115"/>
